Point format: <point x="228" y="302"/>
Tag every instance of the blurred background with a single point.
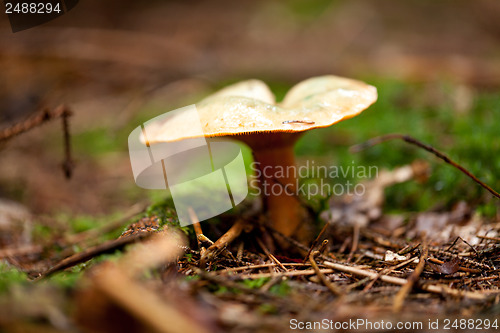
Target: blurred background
<point x="436" y="65"/>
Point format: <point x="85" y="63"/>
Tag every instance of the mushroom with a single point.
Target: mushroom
<point x="247" y="111"/>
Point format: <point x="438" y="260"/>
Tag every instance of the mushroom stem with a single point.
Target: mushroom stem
<point x="278" y="185"/>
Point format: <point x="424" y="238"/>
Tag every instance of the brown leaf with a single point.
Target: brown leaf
<point x="446" y="268"/>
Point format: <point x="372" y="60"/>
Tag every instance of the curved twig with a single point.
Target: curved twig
<point x="409" y="139"/>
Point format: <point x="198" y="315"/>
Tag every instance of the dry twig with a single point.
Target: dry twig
<point x="409" y="139"/>
<point x="406" y="289"/>
<point x="330" y="285"/>
<point x="87" y="254"/>
<point x="436" y="289"/>
<point x="40" y="118"/>
<point x="222" y="243"/>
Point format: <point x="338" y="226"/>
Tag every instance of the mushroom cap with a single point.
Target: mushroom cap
<point x="248" y="108"/>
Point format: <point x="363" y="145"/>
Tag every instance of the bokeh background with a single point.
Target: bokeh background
<point x="117" y="63"/>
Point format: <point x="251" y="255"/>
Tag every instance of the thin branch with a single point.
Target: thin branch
<point x="212" y="277"/>
<point x="93" y="233"/>
<point x="388" y="270"/>
<point x="68" y="163"/>
<point x="197" y="227"/>
<point x="250" y="267"/>
<point x="37" y="119"/>
<point x="409" y="139"/>
<point x="355" y="242"/>
<point x="316" y="241"/>
<point x="222" y="243"/>
<point x="40" y="118"/>
<point x="304" y="272"/>
<point x="432" y="288"/>
<point x="330" y="285"/>
<point x="87" y="254"/>
<point x="408" y="286"/>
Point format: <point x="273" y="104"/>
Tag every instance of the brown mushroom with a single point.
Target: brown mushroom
<point x="247" y="111"/>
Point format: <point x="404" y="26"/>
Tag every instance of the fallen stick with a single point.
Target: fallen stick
<point x="408" y="286"/>
<point x="40" y="118"/>
<point x="288" y="274"/>
<point x="235" y="269"/>
<point x="108" y="227"/>
<point x="433" y="288"/>
<point x="387" y="271"/>
<point x="270" y="255"/>
<point x="221" y="244"/>
<point x="282" y="302"/>
<point x="330" y="285"/>
<point x="87" y="254"/>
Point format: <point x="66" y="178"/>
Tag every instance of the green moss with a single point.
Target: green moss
<point x="96" y="142"/>
<point x="190" y="278"/>
<point x="10" y="276"/>
<point x="41" y="231"/>
<point x="66" y="279"/>
<point x="280" y="289"/>
<point x="308" y="10"/>
<point x="84" y="223"/>
<point x="488" y="210"/>
<point x="219" y="289"/>
<point x="255" y="283"/>
<point x="164" y="209"/>
<point x="267" y="308"/>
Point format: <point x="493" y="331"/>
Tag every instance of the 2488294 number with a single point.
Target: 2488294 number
<point x="32" y="8"/>
<point x="471" y="324"/>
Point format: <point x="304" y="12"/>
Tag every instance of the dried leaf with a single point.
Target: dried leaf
<point x="392" y="256"/>
<point x="446" y="268"/>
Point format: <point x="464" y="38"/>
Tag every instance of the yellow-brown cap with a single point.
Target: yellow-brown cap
<point x="249" y="108"/>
